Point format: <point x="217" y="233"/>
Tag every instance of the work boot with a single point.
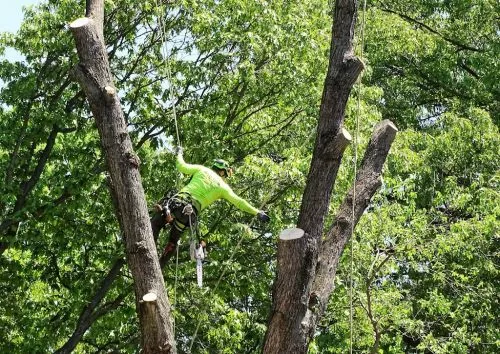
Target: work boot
<point x="169" y="248"/>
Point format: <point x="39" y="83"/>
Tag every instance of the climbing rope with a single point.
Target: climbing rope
<point x="355" y="147"/>
<point x="166" y="60"/>
<point x="240" y="240"/>
<point x="174" y="303"/>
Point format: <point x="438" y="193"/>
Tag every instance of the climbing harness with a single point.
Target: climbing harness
<point x="185" y="202"/>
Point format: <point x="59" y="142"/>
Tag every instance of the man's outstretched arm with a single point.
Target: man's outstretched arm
<point x="243" y="205"/>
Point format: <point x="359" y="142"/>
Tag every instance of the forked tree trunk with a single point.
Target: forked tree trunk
<point x="93" y="73"/>
<point x="306" y="266"/>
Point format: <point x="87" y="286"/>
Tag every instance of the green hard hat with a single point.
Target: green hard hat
<point x="221" y="164"/>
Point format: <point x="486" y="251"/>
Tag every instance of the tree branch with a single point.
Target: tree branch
<point x="86" y="317"/>
<point x="432" y="30"/>
<point x="28" y="186"/>
<point x="366" y="184"/>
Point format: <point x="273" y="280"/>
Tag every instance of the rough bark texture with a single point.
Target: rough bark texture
<point x="95" y="77"/>
<point x="367" y="182"/>
<point x="291" y="322"/>
<point x="94" y="9"/>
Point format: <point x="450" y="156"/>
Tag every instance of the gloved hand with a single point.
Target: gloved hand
<point x="262" y="216"/>
<point x="178" y="150"/>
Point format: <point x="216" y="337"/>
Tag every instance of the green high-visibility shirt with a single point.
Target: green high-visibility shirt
<point x="206" y="186"/>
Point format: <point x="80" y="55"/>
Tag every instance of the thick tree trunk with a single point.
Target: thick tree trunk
<point x="293" y="315"/>
<point x="95" y="77"/>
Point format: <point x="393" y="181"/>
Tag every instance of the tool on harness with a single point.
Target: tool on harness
<point x="198" y="253"/>
<point x="180" y="211"/>
<point x="196" y="247"/>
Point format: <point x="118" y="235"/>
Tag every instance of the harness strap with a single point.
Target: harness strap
<point x="185" y="196"/>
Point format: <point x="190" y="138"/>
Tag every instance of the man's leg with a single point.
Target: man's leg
<point x="175" y="235"/>
<point x="181" y="222"/>
<point x="158" y="222"/>
<point x="171" y="246"/>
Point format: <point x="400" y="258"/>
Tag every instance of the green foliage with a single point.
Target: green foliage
<point x="431" y="57"/>
<point x="436" y="223"/>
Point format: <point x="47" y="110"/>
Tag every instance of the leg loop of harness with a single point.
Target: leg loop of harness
<point x="180" y="212"/>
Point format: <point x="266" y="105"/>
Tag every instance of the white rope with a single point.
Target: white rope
<point x="222" y="275"/>
<point x="175" y="281"/>
<point x="166" y="59"/>
<point x="355" y="147"/>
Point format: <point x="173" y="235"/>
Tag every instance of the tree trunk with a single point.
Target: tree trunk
<point x="95" y="77"/>
<point x="367" y="182"/>
<point x="300" y="276"/>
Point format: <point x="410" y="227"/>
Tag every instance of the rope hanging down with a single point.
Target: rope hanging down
<point x="166" y="60"/>
<point x="355" y="147"/>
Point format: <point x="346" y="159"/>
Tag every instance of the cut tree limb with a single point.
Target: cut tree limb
<point x="367" y="182"/>
<point x="285" y="333"/>
<point x="291" y="320"/>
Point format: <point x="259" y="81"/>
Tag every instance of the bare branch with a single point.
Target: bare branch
<point x="86" y="317"/>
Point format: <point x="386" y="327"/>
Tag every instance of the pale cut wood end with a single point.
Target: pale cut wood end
<point x="346" y="134"/>
<point x="150" y="297"/>
<point x="109" y="90"/>
<point x="393" y="126"/>
<point x="80" y="22"/>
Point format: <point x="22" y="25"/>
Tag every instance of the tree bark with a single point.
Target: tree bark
<point x="93" y="73"/>
<point x="293" y="314"/>
<point x="367" y="183"/>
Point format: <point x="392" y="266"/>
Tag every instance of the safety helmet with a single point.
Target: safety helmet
<point x="220" y="164"/>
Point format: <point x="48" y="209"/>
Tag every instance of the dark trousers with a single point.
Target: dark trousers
<point x="184" y="217"/>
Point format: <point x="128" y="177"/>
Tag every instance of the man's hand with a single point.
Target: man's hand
<point x="262" y="216"/>
<point x="178" y="150"/>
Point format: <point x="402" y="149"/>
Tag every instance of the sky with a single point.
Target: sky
<point x="11" y="17"/>
<point x="11" y="14"/>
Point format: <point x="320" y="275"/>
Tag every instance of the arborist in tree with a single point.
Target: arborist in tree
<point x="205" y="187"/>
